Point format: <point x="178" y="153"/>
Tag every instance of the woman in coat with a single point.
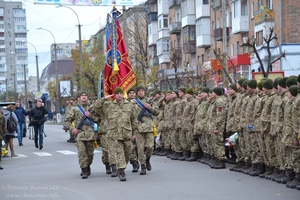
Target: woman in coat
<point x="10" y="136"/>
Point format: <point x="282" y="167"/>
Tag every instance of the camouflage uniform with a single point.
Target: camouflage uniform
<point x="165" y="130"/>
<point x="295" y="157"/>
<point x="85" y="137"/>
<point x="216" y="116"/>
<point x="173" y="127"/>
<point x="144" y="137"/>
<point x="188" y="119"/>
<point x="179" y="124"/>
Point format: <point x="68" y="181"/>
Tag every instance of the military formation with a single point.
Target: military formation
<point x="193" y="125"/>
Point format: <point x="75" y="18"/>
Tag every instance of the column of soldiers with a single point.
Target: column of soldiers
<point x="193" y="127"/>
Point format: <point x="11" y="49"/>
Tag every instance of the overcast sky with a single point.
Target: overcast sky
<point x="62" y="23"/>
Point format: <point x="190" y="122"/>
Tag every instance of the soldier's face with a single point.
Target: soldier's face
<point x="280" y="88"/>
<point x="231" y="92"/>
<point x="131" y="94"/>
<point x="212" y="95"/>
<point x="188" y="95"/>
<point x="71" y="101"/>
<point x="83" y="98"/>
<point x="168" y="96"/>
<point x="180" y="93"/>
<point x="174" y="95"/>
<point x="141" y="93"/>
<point x="119" y="96"/>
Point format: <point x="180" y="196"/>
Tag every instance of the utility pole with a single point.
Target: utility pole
<point x="25" y="82"/>
<point x="225" y="53"/>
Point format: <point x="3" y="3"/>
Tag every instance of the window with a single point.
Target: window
<point x="9" y="43"/>
<point x="252" y="10"/>
<point x="166" y="22"/>
<point x="205" y="2"/>
<point x="177" y="17"/>
<point x="238" y="47"/>
<point x="244" y="8"/>
<point x="20" y="19"/>
<point x="21" y="50"/>
<point x="178" y="43"/>
<point x="218" y="23"/>
<point x="20" y="27"/>
<point x="184" y="8"/>
<point x="1" y="26"/>
<point x="150" y="30"/>
<point x="2" y="66"/>
<point x="1" y="34"/>
<point x="59" y="51"/>
<point x="21" y="57"/>
<point x="269" y="4"/>
<point x="19" y="11"/>
<point x="20" y="43"/>
<point x="2" y="50"/>
<point x="259" y="38"/>
<point x="189" y="33"/>
<point x="20" y="35"/>
<point x="233" y="9"/>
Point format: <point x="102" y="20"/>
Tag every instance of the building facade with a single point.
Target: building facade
<point x="63" y="50"/>
<point x="13" y="47"/>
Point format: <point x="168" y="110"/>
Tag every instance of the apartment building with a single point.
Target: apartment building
<point x="13" y="47"/>
<point x="63" y="50"/>
<point x="196" y="31"/>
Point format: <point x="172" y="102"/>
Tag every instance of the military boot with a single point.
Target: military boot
<point x="251" y="169"/>
<point x="220" y="165"/>
<point x="165" y="152"/>
<point x="255" y="170"/>
<point x="107" y="168"/>
<point x="298" y="182"/>
<point x="122" y="176"/>
<point x="171" y="154"/>
<point x="161" y="151"/>
<point x="143" y="170"/>
<point x="268" y="171"/>
<point x="292" y="184"/>
<point x="274" y="174"/>
<point x="260" y="170"/>
<point x="114" y="171"/>
<point x="193" y="157"/>
<point x="184" y="155"/>
<point x="213" y="163"/>
<point x="289" y="176"/>
<point x="88" y="169"/>
<point x="202" y="159"/>
<point x="238" y="165"/>
<point x="279" y="176"/>
<point x="148" y="164"/>
<point x="246" y="167"/>
<point x="208" y="159"/>
<point x="135" y="166"/>
<point x="84" y="173"/>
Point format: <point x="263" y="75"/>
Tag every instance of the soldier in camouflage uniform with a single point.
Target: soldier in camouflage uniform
<point x="144" y="138"/>
<point x="156" y="103"/>
<point x="179" y="124"/>
<point x="294" y="138"/>
<point x="2" y="134"/>
<point x="122" y="124"/>
<point x="188" y="124"/>
<point x="216" y="116"/>
<point x="131" y="94"/>
<point x="85" y="136"/>
<point x="200" y="126"/>
<point x="67" y="112"/>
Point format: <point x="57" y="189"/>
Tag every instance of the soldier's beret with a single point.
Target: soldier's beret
<point x="241" y="81"/>
<point x="82" y="92"/>
<point x="245" y="84"/>
<point x="294" y="89"/>
<point x="118" y="90"/>
<point x="282" y="82"/>
<point x="268" y="84"/>
<point x="130" y="90"/>
<point x="260" y="83"/>
<point x="72" y="98"/>
<point x="252" y="83"/>
<point x="157" y="92"/>
<point x="233" y="86"/>
<point x="182" y="90"/>
<point x="218" y="91"/>
<point x="298" y="78"/>
<point x="176" y="92"/>
<point x="190" y="91"/>
<point x="169" y="92"/>
<point x="140" y="87"/>
<point x="164" y="91"/>
<point x="293" y="76"/>
<point x="275" y="82"/>
<point x="205" y="89"/>
<point x="291" y="81"/>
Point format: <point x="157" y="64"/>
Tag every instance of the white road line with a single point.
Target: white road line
<point x="96" y="151"/>
<point x="66" y="152"/>
<point x="42" y="153"/>
<point x="20" y="156"/>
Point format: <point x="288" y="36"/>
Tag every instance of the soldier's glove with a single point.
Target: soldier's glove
<point x="216" y="131"/>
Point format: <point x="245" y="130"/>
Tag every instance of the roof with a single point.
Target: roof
<point x="64" y="67"/>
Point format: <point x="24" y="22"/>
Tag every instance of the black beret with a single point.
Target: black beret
<point x="218" y="91"/>
<point x="241" y="81"/>
<point x="294" y="89"/>
<point x="245" y="84"/>
<point x="176" y="92"/>
<point x="275" y="82"/>
<point x="205" y="89"/>
<point x="282" y="82"/>
<point x="268" y="84"/>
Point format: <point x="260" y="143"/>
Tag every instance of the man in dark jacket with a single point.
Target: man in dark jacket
<point x="38" y="118"/>
<point x="20" y="113"/>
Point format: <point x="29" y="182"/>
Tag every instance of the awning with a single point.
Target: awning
<point x="240" y="59"/>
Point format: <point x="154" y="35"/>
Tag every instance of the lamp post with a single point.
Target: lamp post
<point x="79" y="33"/>
<point x="57" y="106"/>
<point x="37" y="67"/>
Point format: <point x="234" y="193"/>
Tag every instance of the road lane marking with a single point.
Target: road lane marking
<point x="42" y="153"/>
<point x="66" y="152"/>
<point x="20" y="156"/>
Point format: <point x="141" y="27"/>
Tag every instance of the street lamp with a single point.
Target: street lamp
<point x="79" y="33"/>
<point x="57" y="107"/>
<point x="37" y="66"/>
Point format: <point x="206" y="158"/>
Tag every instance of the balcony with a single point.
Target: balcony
<point x="189" y="47"/>
<point x="203" y="41"/>
<point x="217" y="4"/>
<point x="261" y="16"/>
<point x="154" y="61"/>
<point x="175" y="28"/>
<point x="176" y="52"/>
<point x="218" y="34"/>
<point x="240" y="24"/>
<point x="174" y="4"/>
<point x="152" y="17"/>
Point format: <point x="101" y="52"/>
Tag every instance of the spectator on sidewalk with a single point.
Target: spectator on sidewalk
<point x="20" y="113"/>
<point x="10" y="136"/>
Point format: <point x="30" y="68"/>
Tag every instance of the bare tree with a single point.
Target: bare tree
<point x="267" y="41"/>
<point x="175" y="61"/>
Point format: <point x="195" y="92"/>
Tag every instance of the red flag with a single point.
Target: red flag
<point x="123" y="78"/>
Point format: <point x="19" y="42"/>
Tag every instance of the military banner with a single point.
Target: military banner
<point x="118" y="71"/>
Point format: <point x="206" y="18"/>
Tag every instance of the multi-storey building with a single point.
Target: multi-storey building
<point x="63" y="50"/>
<point x="13" y="47"/>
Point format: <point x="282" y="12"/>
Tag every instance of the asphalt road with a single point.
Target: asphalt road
<point x="53" y="173"/>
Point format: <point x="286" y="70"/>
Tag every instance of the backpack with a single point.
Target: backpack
<point x="11" y="124"/>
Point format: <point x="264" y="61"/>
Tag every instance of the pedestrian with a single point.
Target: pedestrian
<point x="20" y="113"/>
<point x="2" y="134"/>
<point x="10" y="136"/>
<point x="85" y="134"/>
<point x="144" y="138"/>
<point x="37" y="114"/>
<point x="123" y="125"/>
